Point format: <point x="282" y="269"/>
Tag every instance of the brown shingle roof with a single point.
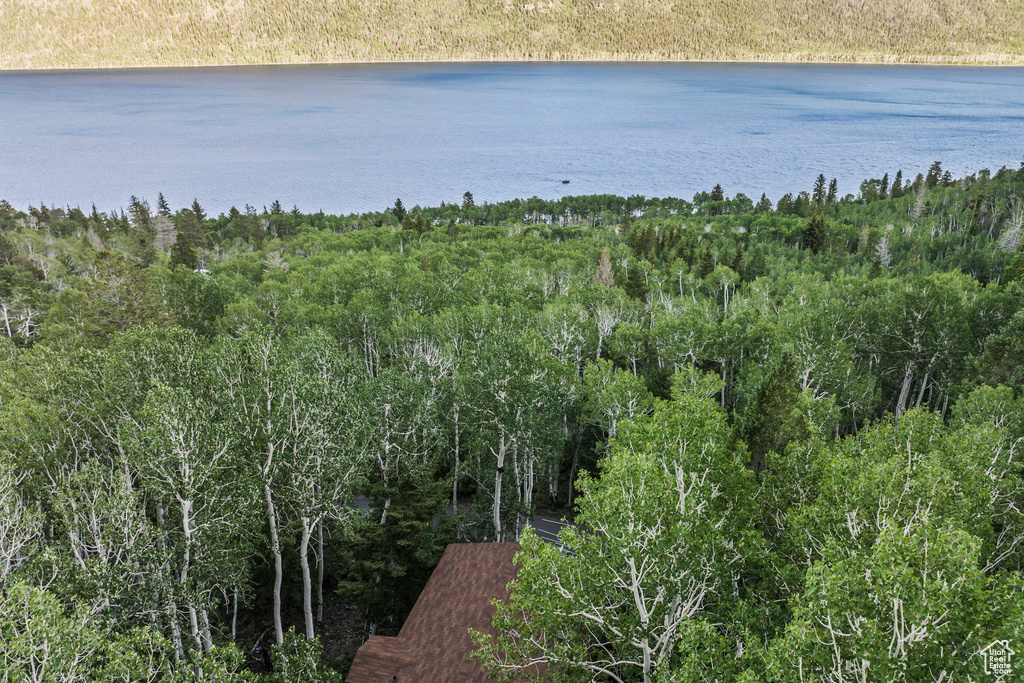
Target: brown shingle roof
<point x="434" y="644"/>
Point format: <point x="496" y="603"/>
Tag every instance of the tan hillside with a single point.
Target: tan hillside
<point x="44" y="34"/>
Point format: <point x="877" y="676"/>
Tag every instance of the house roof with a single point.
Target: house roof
<point x="434" y="645"/>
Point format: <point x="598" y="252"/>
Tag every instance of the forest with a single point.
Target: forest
<point x="789" y="432"/>
<point x="88" y="34"/>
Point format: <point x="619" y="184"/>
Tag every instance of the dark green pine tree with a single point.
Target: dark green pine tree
<point x="161" y="206"/>
<point x="818" y="196"/>
<point x="771" y="421"/>
<point x="883" y="188"/>
<point x="802" y="204"/>
<point x="182" y="253"/>
<point x="188" y="227"/>
<point x="934" y="175"/>
<point x="648" y="244"/>
<point x="687" y="248"/>
<point x="666" y="242"/>
<point x="815" y="234"/>
<point x="896" y="191"/>
<point x="763" y="205"/>
<point x="121" y="221"/>
<point x="785" y="204"/>
<point x="387" y="565"/>
<point x="399" y="210"/>
<point x="717" y="195"/>
<point x="756" y="266"/>
<point x="833" y="191"/>
<point x="636" y="285"/>
<point x="707" y="262"/>
<point x="738" y="260"/>
<point x="198" y="211"/>
<point x="138" y="210"/>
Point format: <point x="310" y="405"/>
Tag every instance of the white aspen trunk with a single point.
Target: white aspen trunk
<point x="384" y="513"/>
<point x="275" y="547"/>
<point x="553" y="484"/>
<point x="572" y="474"/>
<point x="179" y="649"/>
<point x="497" y="489"/>
<point x="647" y="661"/>
<point x="527" y="499"/>
<point x="186" y="527"/>
<point x="901" y="404"/>
<point x="172" y="607"/>
<point x="519" y="479"/>
<point x="193" y="620"/>
<point x="320" y="574"/>
<point x="530" y="481"/>
<point x="455" y="477"/>
<point x="920" y="394"/>
<point x="723" y="385"/>
<point x="234" y="616"/>
<point x="307" y="582"/>
<point x="204" y="620"/>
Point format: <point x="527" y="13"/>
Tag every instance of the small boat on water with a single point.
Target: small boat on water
<point x="565" y="182"/>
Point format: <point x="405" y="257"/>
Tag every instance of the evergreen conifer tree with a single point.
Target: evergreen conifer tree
<point x="182" y="253"/>
<point x="636" y="287"/>
<point x="819" y="190"/>
<point x="707" y="263"/>
<point x="399" y="210"/>
<point x="756" y="266"/>
<point x="771" y="420"/>
<point x="815" y="235"/>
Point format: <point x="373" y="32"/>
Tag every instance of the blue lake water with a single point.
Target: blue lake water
<point x="354" y="138"/>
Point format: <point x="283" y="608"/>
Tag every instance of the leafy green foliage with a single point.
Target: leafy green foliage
<point x="769" y="420"/>
<point x="388" y="564"/>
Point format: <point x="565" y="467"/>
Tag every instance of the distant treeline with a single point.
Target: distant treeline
<point x="48" y="35"/>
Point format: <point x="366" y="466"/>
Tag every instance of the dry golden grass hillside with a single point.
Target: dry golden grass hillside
<point x="43" y="34"/>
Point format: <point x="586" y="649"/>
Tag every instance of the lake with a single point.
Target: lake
<point x="356" y="137"/>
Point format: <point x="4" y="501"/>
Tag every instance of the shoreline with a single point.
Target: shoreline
<point x="1016" y="61"/>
